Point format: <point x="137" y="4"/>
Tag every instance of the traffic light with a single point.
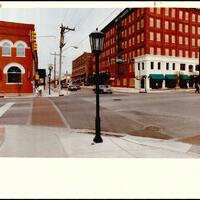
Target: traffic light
<point x="34" y="46"/>
<point x="33" y="36"/>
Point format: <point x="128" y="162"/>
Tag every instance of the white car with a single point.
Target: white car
<point x="104" y="89"/>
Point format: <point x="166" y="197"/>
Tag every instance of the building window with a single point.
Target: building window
<point x="193" y="17"/>
<point x="138" y="66"/>
<point x="159" y="64"/>
<point x="180" y="27"/>
<point x="151" y="50"/>
<point x="186" y="16"/>
<point x="166" y="25"/>
<point x="142" y="37"/>
<point x="158" y="37"/>
<point x="142" y="23"/>
<point x="6" y="49"/>
<point x="167" y="66"/>
<point x="142" y="66"/>
<point x="173" y="26"/>
<point x="166" y="38"/>
<point x="193" y="29"/>
<point x="158" y="23"/>
<point x="186" y="28"/>
<point x="158" y="10"/>
<point x="180" y="53"/>
<point x="152" y="10"/>
<point x="180" y="14"/>
<point x="193" y="54"/>
<point x="173" y="52"/>
<point x="182" y="67"/>
<point x="198" y="42"/>
<point x="186" y="40"/>
<point x="167" y="52"/>
<point x="20" y="50"/>
<point x="158" y="51"/>
<point x="173" y="39"/>
<point x="152" y="65"/>
<point x="14" y="75"/>
<point x="173" y="66"/>
<point x="193" y="42"/>
<point x="190" y="68"/>
<point x="138" y="25"/>
<point x="180" y="40"/>
<point x="186" y="53"/>
<point x="151" y="36"/>
<point x="166" y="11"/>
<point x="197" y="68"/>
<point x="173" y="13"/>
<point x="151" y="22"/>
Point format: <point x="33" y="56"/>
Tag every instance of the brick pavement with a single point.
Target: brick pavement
<point x="45" y="114"/>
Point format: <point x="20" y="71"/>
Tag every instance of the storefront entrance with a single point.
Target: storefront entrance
<point x="156" y="81"/>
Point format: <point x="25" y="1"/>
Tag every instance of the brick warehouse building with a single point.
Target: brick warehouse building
<point x="82" y="68"/>
<point x="152" y="48"/>
<point x="18" y="57"/>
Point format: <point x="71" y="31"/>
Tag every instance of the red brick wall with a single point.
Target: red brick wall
<point x="15" y="32"/>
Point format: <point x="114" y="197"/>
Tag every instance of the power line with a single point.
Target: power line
<point x="98" y="26"/>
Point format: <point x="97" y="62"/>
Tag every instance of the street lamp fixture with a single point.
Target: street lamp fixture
<point x="49" y="76"/>
<point x="96" y="43"/>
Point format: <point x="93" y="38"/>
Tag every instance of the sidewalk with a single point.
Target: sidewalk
<point x="38" y="141"/>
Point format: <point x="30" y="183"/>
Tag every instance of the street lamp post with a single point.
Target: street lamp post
<point x="96" y="42"/>
<point x="49" y="75"/>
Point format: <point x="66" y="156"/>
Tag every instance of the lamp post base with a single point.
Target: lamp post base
<point x="98" y="139"/>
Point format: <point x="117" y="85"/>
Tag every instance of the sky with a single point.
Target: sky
<point x="85" y="17"/>
<point x="47" y="23"/>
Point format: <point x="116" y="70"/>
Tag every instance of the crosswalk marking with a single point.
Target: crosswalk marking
<point x="5" y="107"/>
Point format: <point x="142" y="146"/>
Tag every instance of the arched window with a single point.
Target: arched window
<point x="14" y="75"/>
<point x="20" y="50"/>
<point x="6" y="49"/>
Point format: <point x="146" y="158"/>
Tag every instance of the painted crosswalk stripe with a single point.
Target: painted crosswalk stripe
<point x="5" y="107"/>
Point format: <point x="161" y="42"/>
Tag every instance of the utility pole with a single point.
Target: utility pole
<point x="55" y="54"/>
<point x="63" y="30"/>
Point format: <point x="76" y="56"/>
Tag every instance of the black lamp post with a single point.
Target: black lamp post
<point x="96" y="42"/>
<point x="49" y="75"/>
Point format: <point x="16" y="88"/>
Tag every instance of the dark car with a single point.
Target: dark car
<point x="104" y="89"/>
<point x="72" y="88"/>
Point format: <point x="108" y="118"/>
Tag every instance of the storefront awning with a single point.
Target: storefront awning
<point x="171" y="76"/>
<point x="184" y="77"/>
<point x="157" y="76"/>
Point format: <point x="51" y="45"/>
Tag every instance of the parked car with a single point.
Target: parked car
<point x="104" y="89"/>
<point x="72" y="88"/>
<point x="78" y="86"/>
<point x="65" y="85"/>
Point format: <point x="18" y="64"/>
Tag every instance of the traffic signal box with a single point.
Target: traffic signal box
<point x="33" y="40"/>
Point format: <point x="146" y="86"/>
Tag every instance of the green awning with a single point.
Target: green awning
<point x="157" y="76"/>
<point x="171" y="76"/>
<point x="184" y="77"/>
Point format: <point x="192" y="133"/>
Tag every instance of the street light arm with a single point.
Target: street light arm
<point x="75" y="47"/>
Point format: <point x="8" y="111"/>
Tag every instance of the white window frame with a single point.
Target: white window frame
<point x="9" y="47"/>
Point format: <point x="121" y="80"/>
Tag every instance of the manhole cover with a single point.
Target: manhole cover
<point x="117" y="99"/>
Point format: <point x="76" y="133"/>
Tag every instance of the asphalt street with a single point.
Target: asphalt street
<point x="173" y="114"/>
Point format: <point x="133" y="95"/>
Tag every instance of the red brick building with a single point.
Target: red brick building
<point x="82" y="68"/>
<point x="141" y="42"/>
<point x="18" y="57"/>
